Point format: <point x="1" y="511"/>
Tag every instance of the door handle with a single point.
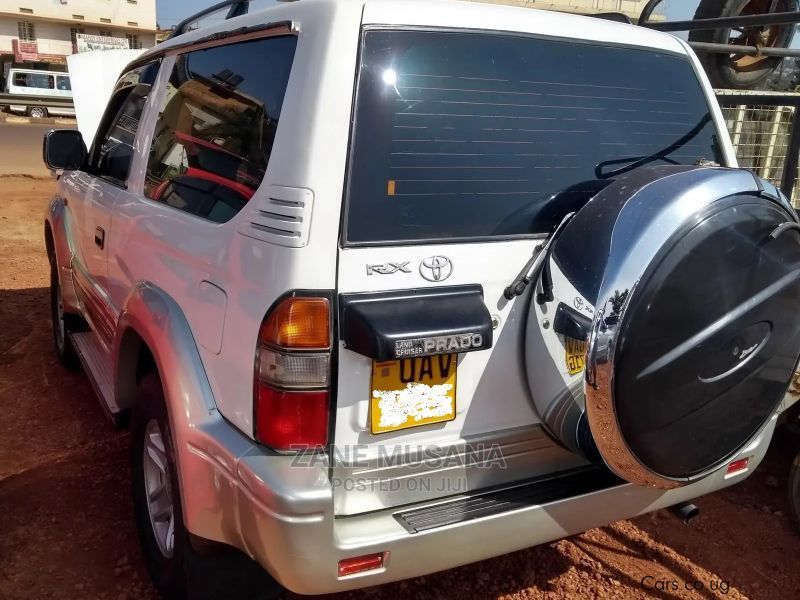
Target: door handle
<point x="100" y="237"/>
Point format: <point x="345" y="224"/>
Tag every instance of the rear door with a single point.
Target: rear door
<point x="467" y="149"/>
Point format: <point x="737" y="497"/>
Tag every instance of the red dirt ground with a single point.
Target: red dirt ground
<point x="66" y="523"/>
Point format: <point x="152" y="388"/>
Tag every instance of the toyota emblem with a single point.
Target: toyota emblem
<point x="436" y="268"/>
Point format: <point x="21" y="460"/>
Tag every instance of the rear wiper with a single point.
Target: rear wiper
<point x="640" y="161"/>
<point x="533" y="267"/>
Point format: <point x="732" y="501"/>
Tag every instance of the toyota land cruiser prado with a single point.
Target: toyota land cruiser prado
<point x="389" y="287"/>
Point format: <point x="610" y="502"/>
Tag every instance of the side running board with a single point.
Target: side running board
<point x="98" y="366"/>
<point x="535" y="492"/>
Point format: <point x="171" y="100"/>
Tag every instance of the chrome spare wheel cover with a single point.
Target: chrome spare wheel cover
<point x="687" y="373"/>
<point x="158" y="488"/>
<point x="684" y="284"/>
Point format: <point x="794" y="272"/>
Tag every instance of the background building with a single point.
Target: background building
<point x="40" y="34"/>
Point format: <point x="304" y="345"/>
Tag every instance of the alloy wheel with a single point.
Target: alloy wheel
<point x="158" y="487"/>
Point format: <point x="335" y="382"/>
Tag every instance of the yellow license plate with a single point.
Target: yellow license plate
<point x="412" y="392"/>
<point x="576" y="350"/>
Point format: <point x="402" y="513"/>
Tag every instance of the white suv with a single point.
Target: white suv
<point x="389" y="287"/>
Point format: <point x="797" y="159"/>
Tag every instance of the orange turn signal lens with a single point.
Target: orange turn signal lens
<point x="299" y="323"/>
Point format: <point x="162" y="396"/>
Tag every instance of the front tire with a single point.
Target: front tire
<point x="37" y="112"/>
<point x="176" y="568"/>
<point x="794" y="489"/>
<point x="65" y="351"/>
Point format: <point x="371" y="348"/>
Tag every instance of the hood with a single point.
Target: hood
<point x="93" y="76"/>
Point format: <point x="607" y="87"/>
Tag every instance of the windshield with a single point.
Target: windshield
<point x="474" y="135"/>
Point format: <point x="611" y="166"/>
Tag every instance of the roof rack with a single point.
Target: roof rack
<point x="613" y="16"/>
<point x="236" y="9"/>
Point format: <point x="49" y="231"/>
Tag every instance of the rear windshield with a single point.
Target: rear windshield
<point x="467" y="135"/>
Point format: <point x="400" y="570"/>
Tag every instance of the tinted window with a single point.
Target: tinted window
<point x="473" y="135"/>
<point x="64" y="84"/>
<point x="34" y="80"/>
<point x="113" y="153"/>
<point x="216" y="129"/>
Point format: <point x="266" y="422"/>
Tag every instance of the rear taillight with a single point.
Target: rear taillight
<point x="292" y="374"/>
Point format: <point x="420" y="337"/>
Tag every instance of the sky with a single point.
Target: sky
<point x="170" y="12"/>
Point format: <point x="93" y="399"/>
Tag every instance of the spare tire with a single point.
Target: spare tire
<point x="739" y="71"/>
<point x="684" y="284"/>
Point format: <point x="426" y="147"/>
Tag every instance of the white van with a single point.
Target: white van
<point x="48" y="84"/>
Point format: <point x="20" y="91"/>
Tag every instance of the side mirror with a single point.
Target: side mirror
<point x="64" y="149"/>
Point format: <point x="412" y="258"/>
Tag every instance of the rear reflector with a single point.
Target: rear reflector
<point x="359" y="564"/>
<point x="738" y="466"/>
<point x="291" y="420"/>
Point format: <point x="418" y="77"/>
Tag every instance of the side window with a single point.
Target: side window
<point x="39" y="81"/>
<point x="64" y="84"/>
<point x="45" y="82"/>
<point x="112" y="152"/>
<point x="215" y="131"/>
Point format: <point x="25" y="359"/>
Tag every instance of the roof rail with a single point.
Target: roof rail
<point x="236" y="9"/>
<point x="613" y="16"/>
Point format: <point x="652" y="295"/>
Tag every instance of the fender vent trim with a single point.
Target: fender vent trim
<point x="283" y="217"/>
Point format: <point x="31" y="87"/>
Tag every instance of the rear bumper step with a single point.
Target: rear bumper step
<point x="539" y="491"/>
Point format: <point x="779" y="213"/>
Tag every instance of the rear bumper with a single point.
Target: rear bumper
<point x="282" y="515"/>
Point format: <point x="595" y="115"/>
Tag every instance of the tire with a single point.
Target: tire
<point x="794" y="489"/>
<point x="62" y="324"/>
<point x="724" y="70"/>
<point x="165" y="552"/>
<point x="177" y="570"/>
<point x="37" y="112"/>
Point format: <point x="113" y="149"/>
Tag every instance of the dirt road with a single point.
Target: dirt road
<point x="66" y="524"/>
<point x="21" y="147"/>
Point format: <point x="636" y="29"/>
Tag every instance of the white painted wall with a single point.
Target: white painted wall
<point x="121" y="12"/>
<point x="54" y="38"/>
<point x="53" y="19"/>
